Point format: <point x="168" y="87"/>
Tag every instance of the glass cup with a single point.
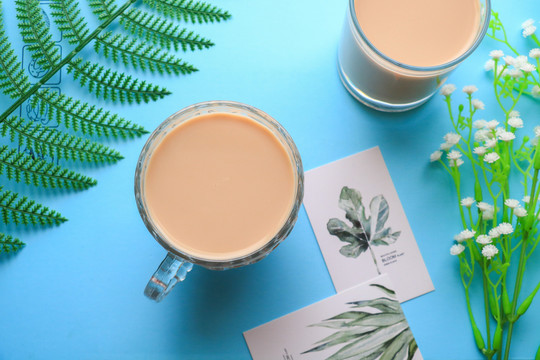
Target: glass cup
<point x="385" y="84"/>
<point x="177" y="263"/>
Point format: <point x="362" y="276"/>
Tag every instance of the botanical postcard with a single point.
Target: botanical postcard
<point x="363" y="322"/>
<point x="361" y="227"/>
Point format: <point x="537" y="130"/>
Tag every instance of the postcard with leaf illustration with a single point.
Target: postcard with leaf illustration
<point x="361" y="227"/>
<point x="363" y="322"/>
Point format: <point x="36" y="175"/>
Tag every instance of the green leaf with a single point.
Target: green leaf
<point x="10" y="244"/>
<point x="21" y="210"/>
<point x="396" y="348"/>
<point x="67" y="16"/>
<point x="350" y="200"/>
<point x="20" y="167"/>
<point x="382" y="304"/>
<point x="379" y="214"/>
<point x="384" y="289"/>
<point x="355" y="237"/>
<point x="188" y="10"/>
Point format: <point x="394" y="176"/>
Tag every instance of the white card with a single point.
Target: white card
<point x="363" y="322"/>
<point x="347" y="199"/>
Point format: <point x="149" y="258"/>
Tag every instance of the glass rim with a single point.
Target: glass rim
<point x="474" y="45"/>
<point x="175" y="119"/>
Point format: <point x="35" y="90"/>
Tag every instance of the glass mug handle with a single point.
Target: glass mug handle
<point x="170" y="272"/>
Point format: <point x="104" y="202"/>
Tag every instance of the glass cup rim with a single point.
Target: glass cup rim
<point x="456" y="61"/>
<point x="175" y="119"/>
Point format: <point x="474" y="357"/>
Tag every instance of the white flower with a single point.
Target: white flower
<point x="491" y="143"/>
<point x="515" y="73"/>
<point x="446" y="146"/>
<point x="505" y="228"/>
<point x="526" y="199"/>
<point x="489" y="251"/>
<point x="507" y="136"/>
<point x="534" y="53"/>
<point x="528" y="68"/>
<point x="482" y="135"/>
<point x="464" y="235"/>
<point x="455" y="163"/>
<point x="477" y="104"/>
<point x="483" y="239"/>
<point x="520" y="61"/>
<point x="537" y="130"/>
<point x="527" y="23"/>
<point x="489" y="65"/>
<point x="494" y="233"/>
<point x="483" y="206"/>
<point x="491" y="157"/>
<point x="456" y="249"/>
<point x="492" y="124"/>
<point x="511" y="203"/>
<point x="520" y="212"/>
<point x="479" y="124"/>
<point x="452" y="138"/>
<point x="448" y="89"/>
<point x="499" y="130"/>
<point x="515" y="122"/>
<point x="467" y="202"/>
<point x="470" y="89"/>
<point x="487" y="215"/>
<point x="454" y="155"/>
<point x="514" y="113"/>
<point x="534" y="142"/>
<point x="509" y="60"/>
<point x="480" y="150"/>
<point x="435" y="156"/>
<point x="496" y="54"/>
<point x="529" y="30"/>
<point x="536" y="91"/>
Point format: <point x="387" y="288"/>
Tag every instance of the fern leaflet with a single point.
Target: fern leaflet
<point x="188" y="10"/>
<point x="114" y="85"/>
<point x="20" y="167"/>
<point x="140" y="55"/>
<point x="13" y="81"/>
<point x="20" y="210"/>
<point x="54" y="143"/>
<point x="36" y="34"/>
<point x="8" y="243"/>
<point x="83" y="117"/>
<point x="66" y="14"/>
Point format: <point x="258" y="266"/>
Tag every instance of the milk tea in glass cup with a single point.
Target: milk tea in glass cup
<point x="218" y="184"/>
<point x="394" y="55"/>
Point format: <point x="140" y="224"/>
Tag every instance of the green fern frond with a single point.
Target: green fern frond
<point x="36" y="34"/>
<point x="10" y="244"/>
<point x="20" y="210"/>
<point x="81" y="116"/>
<point x="188" y="10"/>
<point x="109" y="84"/>
<point x="54" y="143"/>
<point x="13" y="81"/>
<point x="152" y="28"/>
<point x="20" y="167"/>
<point x="140" y="55"/>
<point x="66" y="14"/>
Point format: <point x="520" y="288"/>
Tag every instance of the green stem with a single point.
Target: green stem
<point x="66" y="60"/>
<point x="486" y="306"/>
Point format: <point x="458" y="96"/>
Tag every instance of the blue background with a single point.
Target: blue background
<point x="75" y="291"/>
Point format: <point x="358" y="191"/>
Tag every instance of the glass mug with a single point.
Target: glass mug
<point x="385" y="84"/>
<point x="179" y="262"/>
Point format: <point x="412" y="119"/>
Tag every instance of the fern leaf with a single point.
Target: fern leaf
<point x="188" y="10"/>
<point x="9" y="244"/>
<point x="152" y="28"/>
<point x="80" y="116"/>
<point x="139" y="55"/>
<point x="66" y="15"/>
<point x="20" y="167"/>
<point x="36" y="34"/>
<point x="21" y="210"/>
<point x="109" y="84"/>
<point x="54" y="143"/>
<point x="13" y="81"/>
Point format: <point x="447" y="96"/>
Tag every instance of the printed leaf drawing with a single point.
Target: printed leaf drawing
<point x="365" y="232"/>
<point x="135" y="35"/>
<point x="371" y="329"/>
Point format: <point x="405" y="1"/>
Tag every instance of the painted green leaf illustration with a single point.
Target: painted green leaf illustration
<point x="371" y="329"/>
<point x="365" y="231"/>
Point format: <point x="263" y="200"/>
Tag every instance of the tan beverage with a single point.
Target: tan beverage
<point x="219" y="186"/>
<point x="394" y="54"/>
